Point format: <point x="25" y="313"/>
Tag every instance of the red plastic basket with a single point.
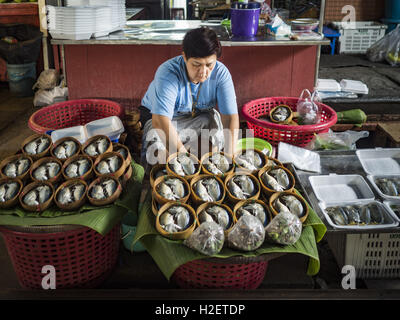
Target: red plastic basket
<point x="274" y="133"/>
<point x="73" y="113"/>
<point x="82" y="257"/>
<point x="220" y="274"/>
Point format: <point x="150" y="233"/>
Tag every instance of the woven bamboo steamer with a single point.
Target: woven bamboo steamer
<point x="128" y="159"/>
<point x="161" y="200"/>
<point x="266" y="190"/>
<point x="188" y="177"/>
<point x="223" y="175"/>
<point x="279" y="194"/>
<point x="42" y="161"/>
<point x="103" y="202"/>
<point x="60" y="141"/>
<point x="40" y="207"/>
<point x="13" y="201"/>
<point x="34" y="137"/>
<point x="23" y="177"/>
<point x="126" y="176"/>
<point x="276" y="162"/>
<point x="75" y="205"/>
<point x="181" y="235"/>
<point x="245" y="202"/>
<point x="94" y="138"/>
<point x="231" y="197"/>
<point x="154" y="206"/>
<point x="88" y="175"/>
<point x="195" y="198"/>
<point x="106" y="155"/>
<point x="154" y="170"/>
<point x="239" y="168"/>
<point x="206" y="205"/>
<point x="288" y="120"/>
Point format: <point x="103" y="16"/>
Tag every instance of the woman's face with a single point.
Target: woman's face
<point x="199" y="69"/>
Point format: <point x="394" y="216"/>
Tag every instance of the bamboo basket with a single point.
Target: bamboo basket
<point x="187" y="177"/>
<point x="288" y="120"/>
<point x="126" y="176"/>
<point x="239" y="168"/>
<point x="279" y="194"/>
<point x="41" y="207"/>
<point x="195" y="198"/>
<point x="75" y="205"/>
<point x="120" y="171"/>
<point x="160" y="199"/>
<point x="87" y="175"/>
<point x="181" y="235"/>
<point x="103" y="202"/>
<point x="23" y="177"/>
<point x="234" y="199"/>
<point x="206" y="205"/>
<point x="154" y="170"/>
<point x="128" y="158"/>
<point x="43" y="161"/>
<point x="34" y="137"/>
<point x="245" y="202"/>
<point x="268" y="191"/>
<point x="223" y="175"/>
<point x="276" y="162"/>
<point x="60" y="141"/>
<point x="94" y="138"/>
<point x="14" y="200"/>
<point x="155" y="207"/>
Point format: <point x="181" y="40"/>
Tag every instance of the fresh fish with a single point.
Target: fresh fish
<point x="8" y="191"/>
<point x="65" y="149"/>
<point x="217" y="214"/>
<point x="202" y="192"/>
<point x="250" y="160"/>
<point x="365" y="215"/>
<point x="37" y="196"/>
<point x="220" y="161"/>
<point x="271" y="182"/>
<point x="294" y="205"/>
<point x="122" y="151"/>
<point x="213" y="188"/>
<point x="77" y="168"/>
<point x="71" y="194"/>
<point x="376" y="214"/>
<point x="46" y="171"/>
<point x="352" y="215"/>
<point x="254" y="209"/>
<point x="37" y="146"/>
<point x="171" y="189"/>
<point x="175" y="219"/>
<point x="280" y="114"/>
<point x="187" y="163"/>
<point x="97" y="147"/>
<point x="280" y="207"/>
<point x="104" y="189"/>
<point x="246" y="184"/>
<point x="16" y="168"/>
<point x="281" y="177"/>
<point x="109" y="165"/>
<point x="176" y="166"/>
<point x="388" y="187"/>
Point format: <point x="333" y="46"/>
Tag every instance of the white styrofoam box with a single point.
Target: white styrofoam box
<point x="372" y="179"/>
<point x="70" y="3"/>
<point x="77" y="132"/>
<point x="330" y="85"/>
<point x="380" y="160"/>
<point x="389" y="220"/>
<point x="335" y="188"/>
<point x="354" y="86"/>
<point x="110" y="126"/>
<point x="359" y="36"/>
<point x="70" y="36"/>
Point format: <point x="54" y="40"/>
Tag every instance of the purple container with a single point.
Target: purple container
<point x="244" y="22"/>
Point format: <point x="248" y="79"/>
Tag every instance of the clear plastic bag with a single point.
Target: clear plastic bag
<point x="336" y="140"/>
<point x="207" y="239"/>
<point x="285" y="228"/>
<point x="387" y="48"/>
<point x="308" y="109"/>
<point x="247" y="234"/>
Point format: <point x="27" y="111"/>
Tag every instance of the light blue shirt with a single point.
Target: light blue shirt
<point x="169" y="93"/>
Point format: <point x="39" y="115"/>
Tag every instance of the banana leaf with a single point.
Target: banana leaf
<point x="353" y="116"/>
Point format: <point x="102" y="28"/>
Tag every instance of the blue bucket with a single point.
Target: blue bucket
<point x="21" y="78"/>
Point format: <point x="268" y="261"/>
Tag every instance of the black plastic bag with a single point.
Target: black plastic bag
<point x="27" y="48"/>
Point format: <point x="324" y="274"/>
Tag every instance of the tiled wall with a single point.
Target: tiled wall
<point x="366" y="10"/>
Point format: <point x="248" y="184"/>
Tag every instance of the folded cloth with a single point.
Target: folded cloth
<point x="101" y="219"/>
<point x="170" y="254"/>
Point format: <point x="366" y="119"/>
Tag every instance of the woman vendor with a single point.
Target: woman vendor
<point x="181" y="103"/>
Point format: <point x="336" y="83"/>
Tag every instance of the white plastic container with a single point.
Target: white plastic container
<point x="329" y="85"/>
<point x="77" y="132"/>
<point x="389" y="204"/>
<point x="380" y="161"/>
<point x="353" y="86"/>
<point x="372" y="179"/>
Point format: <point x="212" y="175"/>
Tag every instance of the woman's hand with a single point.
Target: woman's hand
<point x="170" y="138"/>
<point x="231" y="122"/>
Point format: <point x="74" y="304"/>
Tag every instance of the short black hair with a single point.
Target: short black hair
<point x="201" y="42"/>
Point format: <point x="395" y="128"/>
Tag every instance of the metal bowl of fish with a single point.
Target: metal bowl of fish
<point x="110" y="163"/>
<point x="104" y="190"/>
<point x="207" y="188"/>
<point x="36" y="146"/>
<point x="256" y="208"/>
<point x="124" y="151"/>
<point x="217" y="212"/>
<point x="71" y="194"/>
<point x="65" y="148"/>
<point x="275" y="179"/>
<point x="249" y="160"/>
<point x="282" y="114"/>
<point x="156" y="171"/>
<point x="97" y="145"/>
<point x="37" y="196"/>
<point x="217" y="163"/>
<point x="288" y="201"/>
<point x="79" y="166"/>
<point x="9" y="191"/>
<point x="183" y="164"/>
<point x="171" y="188"/>
<point x="176" y="220"/>
<point x="16" y="166"/>
<point x="242" y="186"/>
<point x="46" y="169"/>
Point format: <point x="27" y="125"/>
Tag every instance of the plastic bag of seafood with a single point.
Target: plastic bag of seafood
<point x="285" y="228"/>
<point x="308" y="109"/>
<point x="207" y="239"/>
<point x="247" y="234"/>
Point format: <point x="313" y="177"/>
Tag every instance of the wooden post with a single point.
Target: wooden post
<point x="43" y="28"/>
